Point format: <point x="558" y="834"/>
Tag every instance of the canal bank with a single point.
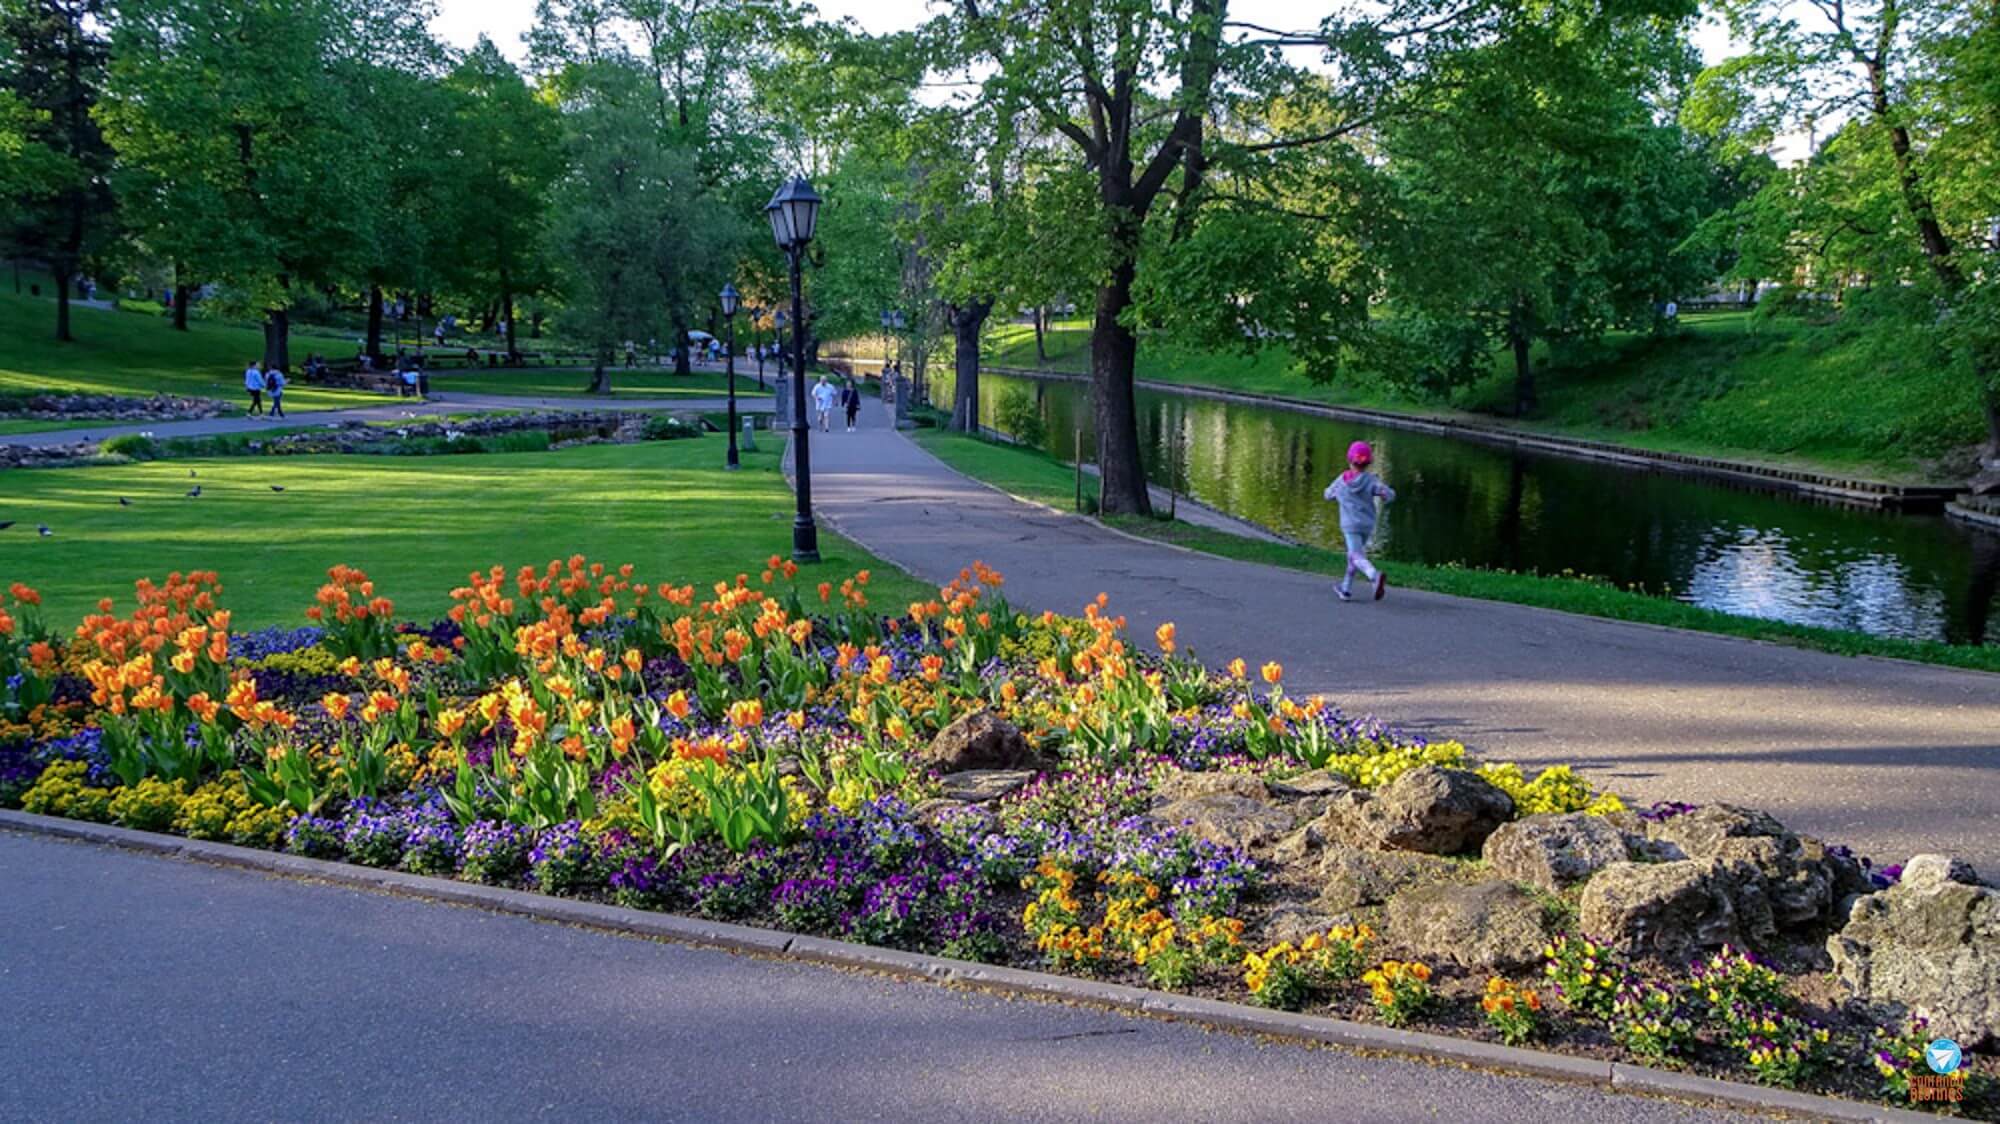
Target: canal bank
<point x="1810" y="485"/>
<point x="1737" y="546"/>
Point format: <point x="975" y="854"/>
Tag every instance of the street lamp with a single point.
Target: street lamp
<point x="794" y="212"/>
<point x="757" y="339"/>
<point x="887" y="320"/>
<point x="730" y="302"/>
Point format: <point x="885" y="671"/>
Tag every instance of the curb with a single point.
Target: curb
<point x="1211" y="1014"/>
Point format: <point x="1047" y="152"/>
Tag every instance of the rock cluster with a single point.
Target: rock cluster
<point x="111" y="407"/>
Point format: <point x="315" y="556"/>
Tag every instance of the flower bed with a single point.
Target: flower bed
<point x="964" y="779"/>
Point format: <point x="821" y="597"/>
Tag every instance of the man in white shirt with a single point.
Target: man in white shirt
<point x="824" y="400"/>
<point x="253" y="381"/>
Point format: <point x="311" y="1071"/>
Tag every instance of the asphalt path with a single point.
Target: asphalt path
<point x="147" y="989"/>
<point x="1889" y="757"/>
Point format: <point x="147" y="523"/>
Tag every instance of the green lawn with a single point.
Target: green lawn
<point x="418" y="525"/>
<point x="133" y="354"/>
<point x="571" y="382"/>
<point x="1730" y="384"/>
<point x="1033" y="475"/>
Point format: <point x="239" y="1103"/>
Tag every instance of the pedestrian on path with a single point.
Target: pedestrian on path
<point x="850" y="397"/>
<point x="275" y="383"/>
<point x="1358" y="491"/>
<point x="253" y="381"/>
<point x="824" y="398"/>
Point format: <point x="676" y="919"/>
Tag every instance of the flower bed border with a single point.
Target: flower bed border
<point x="777" y="944"/>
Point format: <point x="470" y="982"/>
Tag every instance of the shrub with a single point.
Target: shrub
<point x="137" y="446"/>
<point x="1020" y="417"/>
<point x="150" y="805"/>
<point x="667" y="427"/>
<point x="62" y="790"/>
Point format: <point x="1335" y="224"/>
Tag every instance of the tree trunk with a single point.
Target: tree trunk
<point x="277" y="339"/>
<point x="62" y="306"/>
<point x="1041" y="326"/>
<point x="375" y="323"/>
<point x="966" y="321"/>
<point x="181" y="295"/>
<point x="507" y="314"/>
<point x="1989" y="400"/>
<point x="600" y="375"/>
<point x="1113" y="355"/>
<point x="535" y="326"/>
<point x="1524" y="374"/>
<point x="682" y="366"/>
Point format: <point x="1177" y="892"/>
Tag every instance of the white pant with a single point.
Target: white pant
<point x="1357" y="557"/>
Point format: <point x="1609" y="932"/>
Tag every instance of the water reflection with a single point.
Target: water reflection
<point x="1738" y="551"/>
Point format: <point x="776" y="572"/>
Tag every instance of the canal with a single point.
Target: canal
<point x="1742" y="551"/>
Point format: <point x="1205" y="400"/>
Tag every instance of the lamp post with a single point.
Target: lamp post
<point x="757" y="340"/>
<point x="794" y="211"/>
<point x="730" y="302"/>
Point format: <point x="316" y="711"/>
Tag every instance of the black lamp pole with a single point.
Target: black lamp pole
<point x="729" y="303"/>
<point x="793" y="211"/>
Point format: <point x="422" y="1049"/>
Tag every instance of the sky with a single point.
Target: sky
<point x="461" y="22"/>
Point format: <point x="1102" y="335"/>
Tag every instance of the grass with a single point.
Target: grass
<point x="130" y="354"/>
<point x="1833" y="398"/>
<point x="570" y="382"/>
<point x="1033" y="475"/>
<point x="418" y="525"/>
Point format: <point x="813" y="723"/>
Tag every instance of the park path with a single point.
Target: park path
<point x="144" y="988"/>
<point x="1889" y="757"/>
<point x="389" y="410"/>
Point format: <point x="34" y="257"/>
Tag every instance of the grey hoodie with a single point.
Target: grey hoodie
<point x="1356" y="497"/>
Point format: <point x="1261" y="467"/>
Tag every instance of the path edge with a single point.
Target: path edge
<point x="1210" y="1014"/>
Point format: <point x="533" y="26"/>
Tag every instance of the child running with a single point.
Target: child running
<point x="1356" y="491"/>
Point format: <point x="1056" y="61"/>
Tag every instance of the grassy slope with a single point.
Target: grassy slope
<point x="1036" y="476"/>
<point x="127" y="353"/>
<point x="1728" y="384"/>
<point x="417" y="525"/>
<point x="570" y="382"/>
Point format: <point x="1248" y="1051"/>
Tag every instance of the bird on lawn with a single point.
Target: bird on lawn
<point x="277" y="487"/>
<point x="123" y="502"/>
<point x="7" y="524"/>
<point x="44" y="529"/>
<point x="194" y="491"/>
<point x="190" y="473"/>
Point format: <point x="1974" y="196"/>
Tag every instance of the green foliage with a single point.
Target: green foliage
<point x="1020" y="416"/>
<point x="62" y="791"/>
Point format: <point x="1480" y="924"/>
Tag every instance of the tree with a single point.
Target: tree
<point x="52" y="69"/>
<point x="507" y="151"/>
<point x="1565" y="216"/>
<point x="243" y="149"/>
<point x="1191" y="129"/>
<point x="1903" y="187"/>
<point x="630" y="223"/>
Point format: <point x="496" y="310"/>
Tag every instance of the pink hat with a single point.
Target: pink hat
<point x="1360" y="453"/>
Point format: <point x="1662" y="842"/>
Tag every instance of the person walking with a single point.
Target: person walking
<point x="1358" y="491"/>
<point x="850" y="397"/>
<point x="275" y="383"/>
<point x="823" y="401"/>
<point x="253" y="381"/>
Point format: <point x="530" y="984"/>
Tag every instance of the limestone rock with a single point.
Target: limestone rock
<point x="1929" y="943"/>
<point x="1774" y="877"/>
<point x="1318" y="782"/>
<point x="1352" y="877"/>
<point x="980" y="740"/>
<point x="1670" y="910"/>
<point x="1226" y="820"/>
<point x="980" y="786"/>
<point x="1487" y="925"/>
<point x="1182" y="785"/>
<point x="1554" y="852"/>
<point x="1295" y="924"/>
<point x="1432" y="809"/>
